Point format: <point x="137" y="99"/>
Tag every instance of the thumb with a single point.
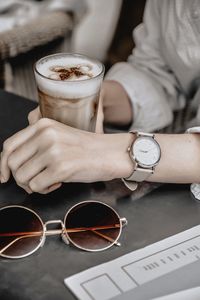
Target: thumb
<point x="34" y="116"/>
<point x="100" y="117"/>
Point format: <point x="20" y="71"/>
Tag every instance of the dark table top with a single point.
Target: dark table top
<point x="165" y="211"/>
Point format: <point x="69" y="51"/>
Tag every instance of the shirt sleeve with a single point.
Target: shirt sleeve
<point x="195" y="187"/>
<point x="150" y="84"/>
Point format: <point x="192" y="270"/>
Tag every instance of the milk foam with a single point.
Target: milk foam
<point x="73" y="87"/>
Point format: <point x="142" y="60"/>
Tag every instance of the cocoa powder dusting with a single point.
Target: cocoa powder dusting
<point x="67" y="73"/>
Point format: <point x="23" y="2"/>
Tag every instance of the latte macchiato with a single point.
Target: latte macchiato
<point x="68" y="88"/>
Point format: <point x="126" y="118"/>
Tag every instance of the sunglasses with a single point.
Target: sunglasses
<point x="88" y="225"/>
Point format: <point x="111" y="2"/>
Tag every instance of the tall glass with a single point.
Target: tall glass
<point x="69" y="87"/>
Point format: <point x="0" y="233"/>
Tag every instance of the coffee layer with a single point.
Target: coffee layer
<point x="79" y="113"/>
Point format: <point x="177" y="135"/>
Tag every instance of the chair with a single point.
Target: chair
<point x="23" y="45"/>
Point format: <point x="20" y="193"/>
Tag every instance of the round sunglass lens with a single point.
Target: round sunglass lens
<point x="21" y="232"/>
<point x="92" y="226"/>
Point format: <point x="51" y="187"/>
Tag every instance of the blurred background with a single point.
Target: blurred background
<point x="33" y="28"/>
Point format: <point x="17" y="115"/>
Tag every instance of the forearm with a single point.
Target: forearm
<point x="180" y="158"/>
<point x="117" y="106"/>
<point x="47" y="153"/>
<point x="179" y="163"/>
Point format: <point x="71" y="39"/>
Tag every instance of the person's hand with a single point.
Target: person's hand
<point x="34" y="116"/>
<point x="114" y="108"/>
<point x="100" y="117"/>
<point x="47" y="153"/>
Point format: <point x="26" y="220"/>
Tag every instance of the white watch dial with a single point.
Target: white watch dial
<point x="146" y="151"/>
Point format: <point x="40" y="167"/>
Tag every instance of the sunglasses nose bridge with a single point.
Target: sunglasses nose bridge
<point x="54" y="222"/>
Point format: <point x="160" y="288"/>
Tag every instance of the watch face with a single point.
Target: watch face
<point x="146" y="151"/>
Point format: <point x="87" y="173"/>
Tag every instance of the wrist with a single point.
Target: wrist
<point x="115" y="161"/>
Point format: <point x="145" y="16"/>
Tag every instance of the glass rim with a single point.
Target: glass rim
<point x="42" y="237"/>
<point x="87" y="249"/>
<point x="69" y="54"/>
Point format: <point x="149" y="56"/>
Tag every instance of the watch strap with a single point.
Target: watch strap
<point x="132" y="181"/>
<point x="140" y="174"/>
<point x="131" y="185"/>
<point x="140" y="133"/>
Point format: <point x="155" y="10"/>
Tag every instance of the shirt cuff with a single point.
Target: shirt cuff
<point x="193" y="130"/>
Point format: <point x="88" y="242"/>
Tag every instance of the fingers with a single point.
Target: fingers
<point x="44" y="182"/>
<point x="26" y="188"/>
<point x="11" y="145"/>
<point x="22" y="154"/>
<point x="29" y="155"/>
<point x="34" y="116"/>
<point x="100" y="117"/>
<point x="29" y="170"/>
<point x="52" y="188"/>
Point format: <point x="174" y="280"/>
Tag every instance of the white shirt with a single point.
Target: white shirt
<point x="163" y="72"/>
<point x="164" y="65"/>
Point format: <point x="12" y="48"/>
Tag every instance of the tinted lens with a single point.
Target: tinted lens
<point x="21" y="231"/>
<point x="92" y="226"/>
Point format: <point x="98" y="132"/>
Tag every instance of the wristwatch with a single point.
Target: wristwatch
<point x="145" y="153"/>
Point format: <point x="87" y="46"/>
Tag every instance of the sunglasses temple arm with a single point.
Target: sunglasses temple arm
<point x="107" y="238"/>
<point x="124" y="222"/>
<point x="52" y="232"/>
<point x="14" y="241"/>
<point x="25" y="236"/>
<point x="58" y="231"/>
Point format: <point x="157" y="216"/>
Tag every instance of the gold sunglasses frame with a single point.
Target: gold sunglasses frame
<point x="63" y="232"/>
